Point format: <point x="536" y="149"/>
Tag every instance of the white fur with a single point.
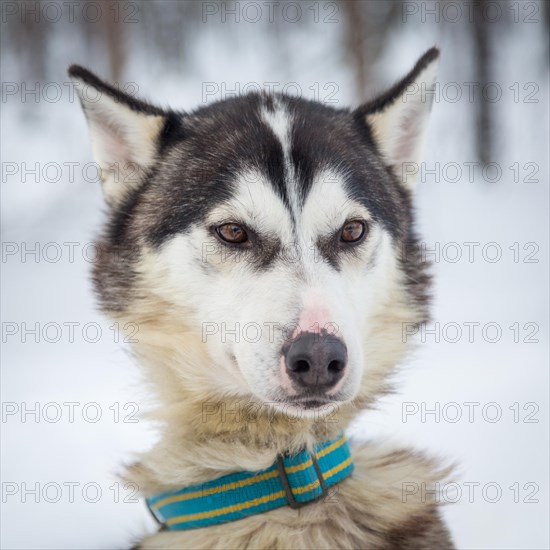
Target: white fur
<point x="268" y="306"/>
<point x="221" y="399"/>
<point x="280" y="123"/>
<point x="399" y="129"/>
<point x="123" y="141"/>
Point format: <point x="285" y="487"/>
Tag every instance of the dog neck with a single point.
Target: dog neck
<point x="205" y="431"/>
<point x="204" y="436"/>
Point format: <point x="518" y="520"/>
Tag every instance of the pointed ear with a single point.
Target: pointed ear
<point x="124" y="132"/>
<point x="397" y="119"/>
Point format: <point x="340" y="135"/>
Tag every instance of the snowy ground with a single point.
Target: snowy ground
<point x="509" y="455"/>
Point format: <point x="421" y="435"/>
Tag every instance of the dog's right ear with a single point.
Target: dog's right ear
<point x="124" y="132"/>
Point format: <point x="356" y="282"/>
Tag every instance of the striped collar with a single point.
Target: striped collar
<point x="293" y="480"/>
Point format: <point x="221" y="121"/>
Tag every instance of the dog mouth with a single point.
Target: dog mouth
<point x="311" y="403"/>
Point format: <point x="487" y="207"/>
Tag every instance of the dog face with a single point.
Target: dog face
<point x="266" y="231"/>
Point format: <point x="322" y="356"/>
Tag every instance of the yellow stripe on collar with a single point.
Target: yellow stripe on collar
<point x="293" y="480"/>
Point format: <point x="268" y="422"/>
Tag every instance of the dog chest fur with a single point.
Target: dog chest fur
<point x="369" y="510"/>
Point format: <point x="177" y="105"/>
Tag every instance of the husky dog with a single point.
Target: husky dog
<point x="258" y="244"/>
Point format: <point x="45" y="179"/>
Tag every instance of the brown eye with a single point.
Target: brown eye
<point x="353" y="231"/>
<point x="232" y="233"/>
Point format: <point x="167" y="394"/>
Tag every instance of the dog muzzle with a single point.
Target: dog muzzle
<point x="293" y="480"/>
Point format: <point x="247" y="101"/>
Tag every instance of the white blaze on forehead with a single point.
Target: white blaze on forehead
<point x="255" y="202"/>
<point x="327" y="204"/>
<point x="280" y="122"/>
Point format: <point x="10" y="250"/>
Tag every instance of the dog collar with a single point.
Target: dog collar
<point x="293" y="480"/>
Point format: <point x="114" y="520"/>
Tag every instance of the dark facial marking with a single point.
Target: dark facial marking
<point x="328" y="139"/>
<point x="332" y="248"/>
<point x="257" y="252"/>
<point x="200" y="153"/>
<point x="197" y="172"/>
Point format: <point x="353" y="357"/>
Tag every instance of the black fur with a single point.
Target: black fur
<point x="199" y="154"/>
<point x="89" y="78"/>
<point x="387" y="98"/>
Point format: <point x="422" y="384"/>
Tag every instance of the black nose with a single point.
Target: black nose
<point x="315" y="361"/>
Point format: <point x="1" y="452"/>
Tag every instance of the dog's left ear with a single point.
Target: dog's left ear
<point x="125" y="133"/>
<point x="397" y="119"/>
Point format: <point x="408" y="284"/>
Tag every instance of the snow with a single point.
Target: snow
<point x="505" y="373"/>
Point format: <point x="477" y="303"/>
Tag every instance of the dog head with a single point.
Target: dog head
<point x="258" y="242"/>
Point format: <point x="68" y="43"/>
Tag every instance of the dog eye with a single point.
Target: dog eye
<point x="353" y="231"/>
<point x="232" y="233"/>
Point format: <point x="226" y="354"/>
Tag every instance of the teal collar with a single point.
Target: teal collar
<point x="293" y="480"/>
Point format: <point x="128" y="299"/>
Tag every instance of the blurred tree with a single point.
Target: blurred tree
<point x="482" y="29"/>
<point x="367" y="25"/>
<point x="29" y="36"/>
<point x="114" y="31"/>
<point x="169" y="30"/>
<point x="356" y="18"/>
